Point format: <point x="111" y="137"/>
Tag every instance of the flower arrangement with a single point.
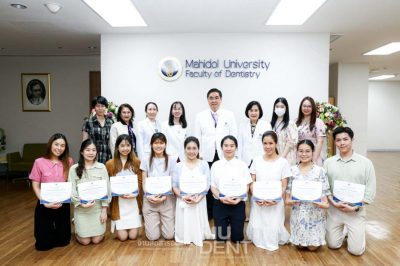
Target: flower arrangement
<point x="330" y="115"/>
<point x="111" y="111"/>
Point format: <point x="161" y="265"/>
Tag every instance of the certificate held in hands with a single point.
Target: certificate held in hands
<point x="92" y="190"/>
<point x="269" y="190"/>
<point x="305" y="190"/>
<point x="348" y="192"/>
<point x="193" y="185"/>
<point x="57" y="192"/>
<point x="232" y="187"/>
<point x="123" y="185"/>
<point x="158" y="185"/>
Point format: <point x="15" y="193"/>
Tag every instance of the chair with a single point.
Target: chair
<point x="31" y="152"/>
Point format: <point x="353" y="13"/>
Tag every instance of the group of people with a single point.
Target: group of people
<point x="279" y="150"/>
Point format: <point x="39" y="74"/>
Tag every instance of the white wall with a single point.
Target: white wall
<point x="349" y="85"/>
<point x="69" y="99"/>
<point x="299" y="67"/>
<point x="383" y="116"/>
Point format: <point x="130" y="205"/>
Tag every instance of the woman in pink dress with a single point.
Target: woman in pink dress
<point x="311" y="127"/>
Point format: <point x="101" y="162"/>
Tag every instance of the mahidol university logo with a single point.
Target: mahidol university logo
<point x="170" y="68"/>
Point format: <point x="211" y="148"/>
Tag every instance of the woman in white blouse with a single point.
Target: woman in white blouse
<point x="175" y="129"/>
<point x="145" y="130"/>
<point x="124" y="125"/>
<point x="250" y="133"/>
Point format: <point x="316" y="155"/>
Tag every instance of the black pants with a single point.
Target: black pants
<point x="52" y="227"/>
<point x="210" y="198"/>
<point x="233" y="215"/>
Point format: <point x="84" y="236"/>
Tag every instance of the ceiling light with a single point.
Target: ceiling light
<point x="381" y="77"/>
<point x="53" y="7"/>
<point x="19" y="6"/>
<point x="389" y="48"/>
<point x="117" y="13"/>
<point x="294" y="12"/>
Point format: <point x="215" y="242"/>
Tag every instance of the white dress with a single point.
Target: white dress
<point x="129" y="216"/>
<point x="266" y="226"/>
<point x="191" y="220"/>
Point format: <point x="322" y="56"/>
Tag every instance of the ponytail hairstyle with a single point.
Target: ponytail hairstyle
<point x="81" y="162"/>
<point x="64" y="157"/>
<point x="274" y="137"/>
<point x="195" y="141"/>
<point x="158" y="136"/>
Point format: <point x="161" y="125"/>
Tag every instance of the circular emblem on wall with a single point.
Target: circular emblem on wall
<point x="170" y="69"/>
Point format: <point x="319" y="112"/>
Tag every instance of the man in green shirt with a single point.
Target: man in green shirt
<point x="350" y="167"/>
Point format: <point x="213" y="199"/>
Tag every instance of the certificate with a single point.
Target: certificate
<point x="193" y="184"/>
<point x="232" y="187"/>
<point x="305" y="190"/>
<point x="269" y="190"/>
<point x="122" y="185"/>
<point x="158" y="185"/>
<point x="348" y="192"/>
<point x="92" y="190"/>
<point x="57" y="192"/>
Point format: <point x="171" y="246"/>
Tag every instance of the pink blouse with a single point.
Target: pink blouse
<point x="46" y="171"/>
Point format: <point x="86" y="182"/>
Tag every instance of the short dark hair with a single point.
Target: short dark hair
<point x="250" y="105"/>
<point x="214" y="90"/>
<point x="122" y="106"/>
<point x="340" y="130"/>
<point x="99" y="100"/>
<point x="147" y="104"/>
<point x="231" y="138"/>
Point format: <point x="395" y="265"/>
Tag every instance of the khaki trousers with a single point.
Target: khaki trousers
<point x="355" y="225"/>
<point x="159" y="219"/>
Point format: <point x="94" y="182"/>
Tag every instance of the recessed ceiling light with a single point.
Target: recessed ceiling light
<point x="19" y="6"/>
<point x="294" y="12"/>
<point x="381" y="77"/>
<point x="53" y="7"/>
<point x="117" y="13"/>
<point x="389" y="48"/>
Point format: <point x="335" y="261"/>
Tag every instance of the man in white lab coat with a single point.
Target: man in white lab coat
<point x="211" y="126"/>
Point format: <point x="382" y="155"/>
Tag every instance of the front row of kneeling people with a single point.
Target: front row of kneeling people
<point x="184" y="216"/>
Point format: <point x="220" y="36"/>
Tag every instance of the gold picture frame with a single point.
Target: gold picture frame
<point x="36" y="95"/>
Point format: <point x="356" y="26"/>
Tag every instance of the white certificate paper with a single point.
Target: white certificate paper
<point x="304" y="190"/>
<point x="92" y="190"/>
<point x="193" y="184"/>
<point x="232" y="187"/>
<point x="158" y="185"/>
<point x="269" y="190"/>
<point x="57" y="192"/>
<point x="348" y="192"/>
<point x="123" y="185"/>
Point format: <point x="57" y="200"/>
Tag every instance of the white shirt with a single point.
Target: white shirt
<point x="116" y="130"/>
<point x="249" y="146"/>
<point x="145" y="130"/>
<point x="176" y="136"/>
<point x="233" y="168"/>
<point x="210" y="136"/>
<point x="270" y="170"/>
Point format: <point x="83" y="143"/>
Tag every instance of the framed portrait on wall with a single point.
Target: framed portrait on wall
<point x="36" y="92"/>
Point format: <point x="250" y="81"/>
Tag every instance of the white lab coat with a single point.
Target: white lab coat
<point x="116" y="130"/>
<point x="145" y="130"/>
<point x="251" y="147"/>
<point x="210" y="136"/>
<point x="176" y="136"/>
